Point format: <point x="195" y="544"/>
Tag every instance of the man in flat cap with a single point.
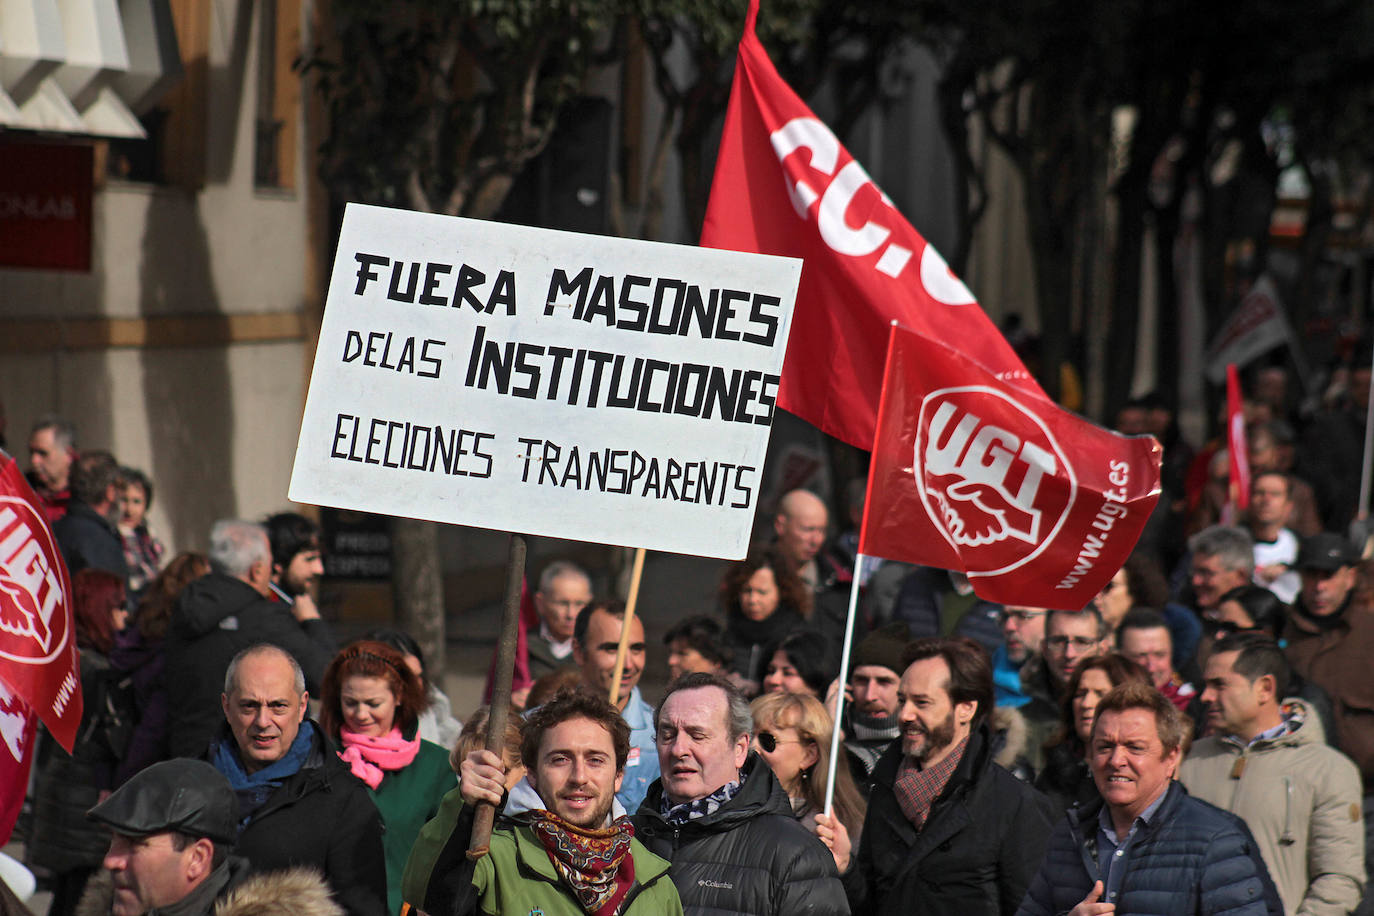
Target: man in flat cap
<point x="174" y="825"/>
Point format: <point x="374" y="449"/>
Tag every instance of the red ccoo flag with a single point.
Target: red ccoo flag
<point x="1038" y="506"/>
<point x="784" y="185"/>
<point x="1235" y="440"/>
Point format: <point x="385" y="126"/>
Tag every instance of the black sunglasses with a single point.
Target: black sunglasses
<point x="769" y="742"/>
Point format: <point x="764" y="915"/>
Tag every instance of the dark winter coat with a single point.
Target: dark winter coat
<point x="1189" y="858"/>
<point x="754" y="641"/>
<point x="749" y="856"/>
<point x="216" y="617"/>
<point x="976" y="854"/>
<point x="88" y="541"/>
<point x="322" y="817"/>
<point x="144" y="662"/>
<point x="1066" y="778"/>
<point x="68" y="785"/>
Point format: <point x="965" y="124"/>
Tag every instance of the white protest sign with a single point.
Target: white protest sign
<point x="549" y="383"/>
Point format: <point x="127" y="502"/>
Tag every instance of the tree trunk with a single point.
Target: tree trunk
<point x="417" y="583"/>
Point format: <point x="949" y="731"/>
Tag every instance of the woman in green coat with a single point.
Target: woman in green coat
<point x="370" y="704"/>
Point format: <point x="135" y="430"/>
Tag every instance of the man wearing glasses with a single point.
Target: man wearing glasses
<point x="1068" y="638"/>
<point x="1023" y="632"/>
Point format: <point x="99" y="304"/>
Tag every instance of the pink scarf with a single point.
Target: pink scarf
<point x="368" y="757"/>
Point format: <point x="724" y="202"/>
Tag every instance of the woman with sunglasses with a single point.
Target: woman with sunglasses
<point x="792" y="735"/>
<point x="1066" y="778"/>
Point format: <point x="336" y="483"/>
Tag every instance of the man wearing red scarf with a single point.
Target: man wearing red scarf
<point x="572" y="850"/>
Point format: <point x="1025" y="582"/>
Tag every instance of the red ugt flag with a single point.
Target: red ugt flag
<point x="38" y="657"/>
<point x="1038" y="506"/>
<point x="784" y="185"/>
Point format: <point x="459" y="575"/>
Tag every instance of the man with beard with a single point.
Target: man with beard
<point x="1023" y="633"/>
<point x="88" y="535"/>
<point x="576" y="852"/>
<point x="948" y="831"/>
<point x="870" y="715"/>
<point x="296" y="561"/>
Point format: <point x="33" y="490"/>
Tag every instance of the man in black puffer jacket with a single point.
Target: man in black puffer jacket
<point x="948" y="830"/>
<point x="1148" y="848"/>
<point x="719" y="815"/>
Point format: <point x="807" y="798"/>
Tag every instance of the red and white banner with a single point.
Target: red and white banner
<point x="16" y="756"/>
<point x="784" y="185"/>
<point x="38" y="657"/>
<point x="39" y="672"/>
<point x="1038" y="506"/>
<point x="1257" y="326"/>
<point x="1235" y="440"/>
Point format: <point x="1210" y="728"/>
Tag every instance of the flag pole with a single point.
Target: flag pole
<point x="854" y="599"/>
<point x="844" y="677"/>
<point x="1363" y="508"/>
<point x="635" y="573"/>
<point x="485" y="815"/>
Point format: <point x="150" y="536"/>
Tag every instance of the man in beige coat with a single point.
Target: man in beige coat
<point x="1266" y="761"/>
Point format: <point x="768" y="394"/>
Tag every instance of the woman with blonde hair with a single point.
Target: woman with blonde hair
<point x="792" y="735"/>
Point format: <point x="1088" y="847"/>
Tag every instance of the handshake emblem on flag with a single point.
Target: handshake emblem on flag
<point x="981" y="482"/>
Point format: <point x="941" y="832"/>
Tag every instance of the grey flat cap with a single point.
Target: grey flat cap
<point x="188" y="796"/>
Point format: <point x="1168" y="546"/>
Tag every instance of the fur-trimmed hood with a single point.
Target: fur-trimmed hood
<point x="294" y="892"/>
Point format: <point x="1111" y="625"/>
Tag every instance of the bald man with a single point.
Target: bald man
<point x="800" y="527"/>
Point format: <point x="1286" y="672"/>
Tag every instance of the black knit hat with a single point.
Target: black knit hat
<point x="882" y="647"/>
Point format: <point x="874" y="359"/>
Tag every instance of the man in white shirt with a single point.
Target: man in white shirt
<point x="1276" y="547"/>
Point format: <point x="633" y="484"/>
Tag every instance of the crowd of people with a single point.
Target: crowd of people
<point x="1199" y="738"/>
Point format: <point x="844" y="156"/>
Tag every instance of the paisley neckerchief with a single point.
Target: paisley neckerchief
<point x="596" y="864"/>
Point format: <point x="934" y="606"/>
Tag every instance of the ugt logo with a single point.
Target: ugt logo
<point x="991" y="477"/>
<point x="33" y="608"/>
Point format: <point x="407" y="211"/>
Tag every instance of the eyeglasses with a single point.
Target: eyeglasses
<point x="1061" y="643"/>
<point x="769" y="742"/>
<point x="1019" y="615"/>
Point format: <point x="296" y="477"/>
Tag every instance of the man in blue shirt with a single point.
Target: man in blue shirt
<point x="596" y="638"/>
